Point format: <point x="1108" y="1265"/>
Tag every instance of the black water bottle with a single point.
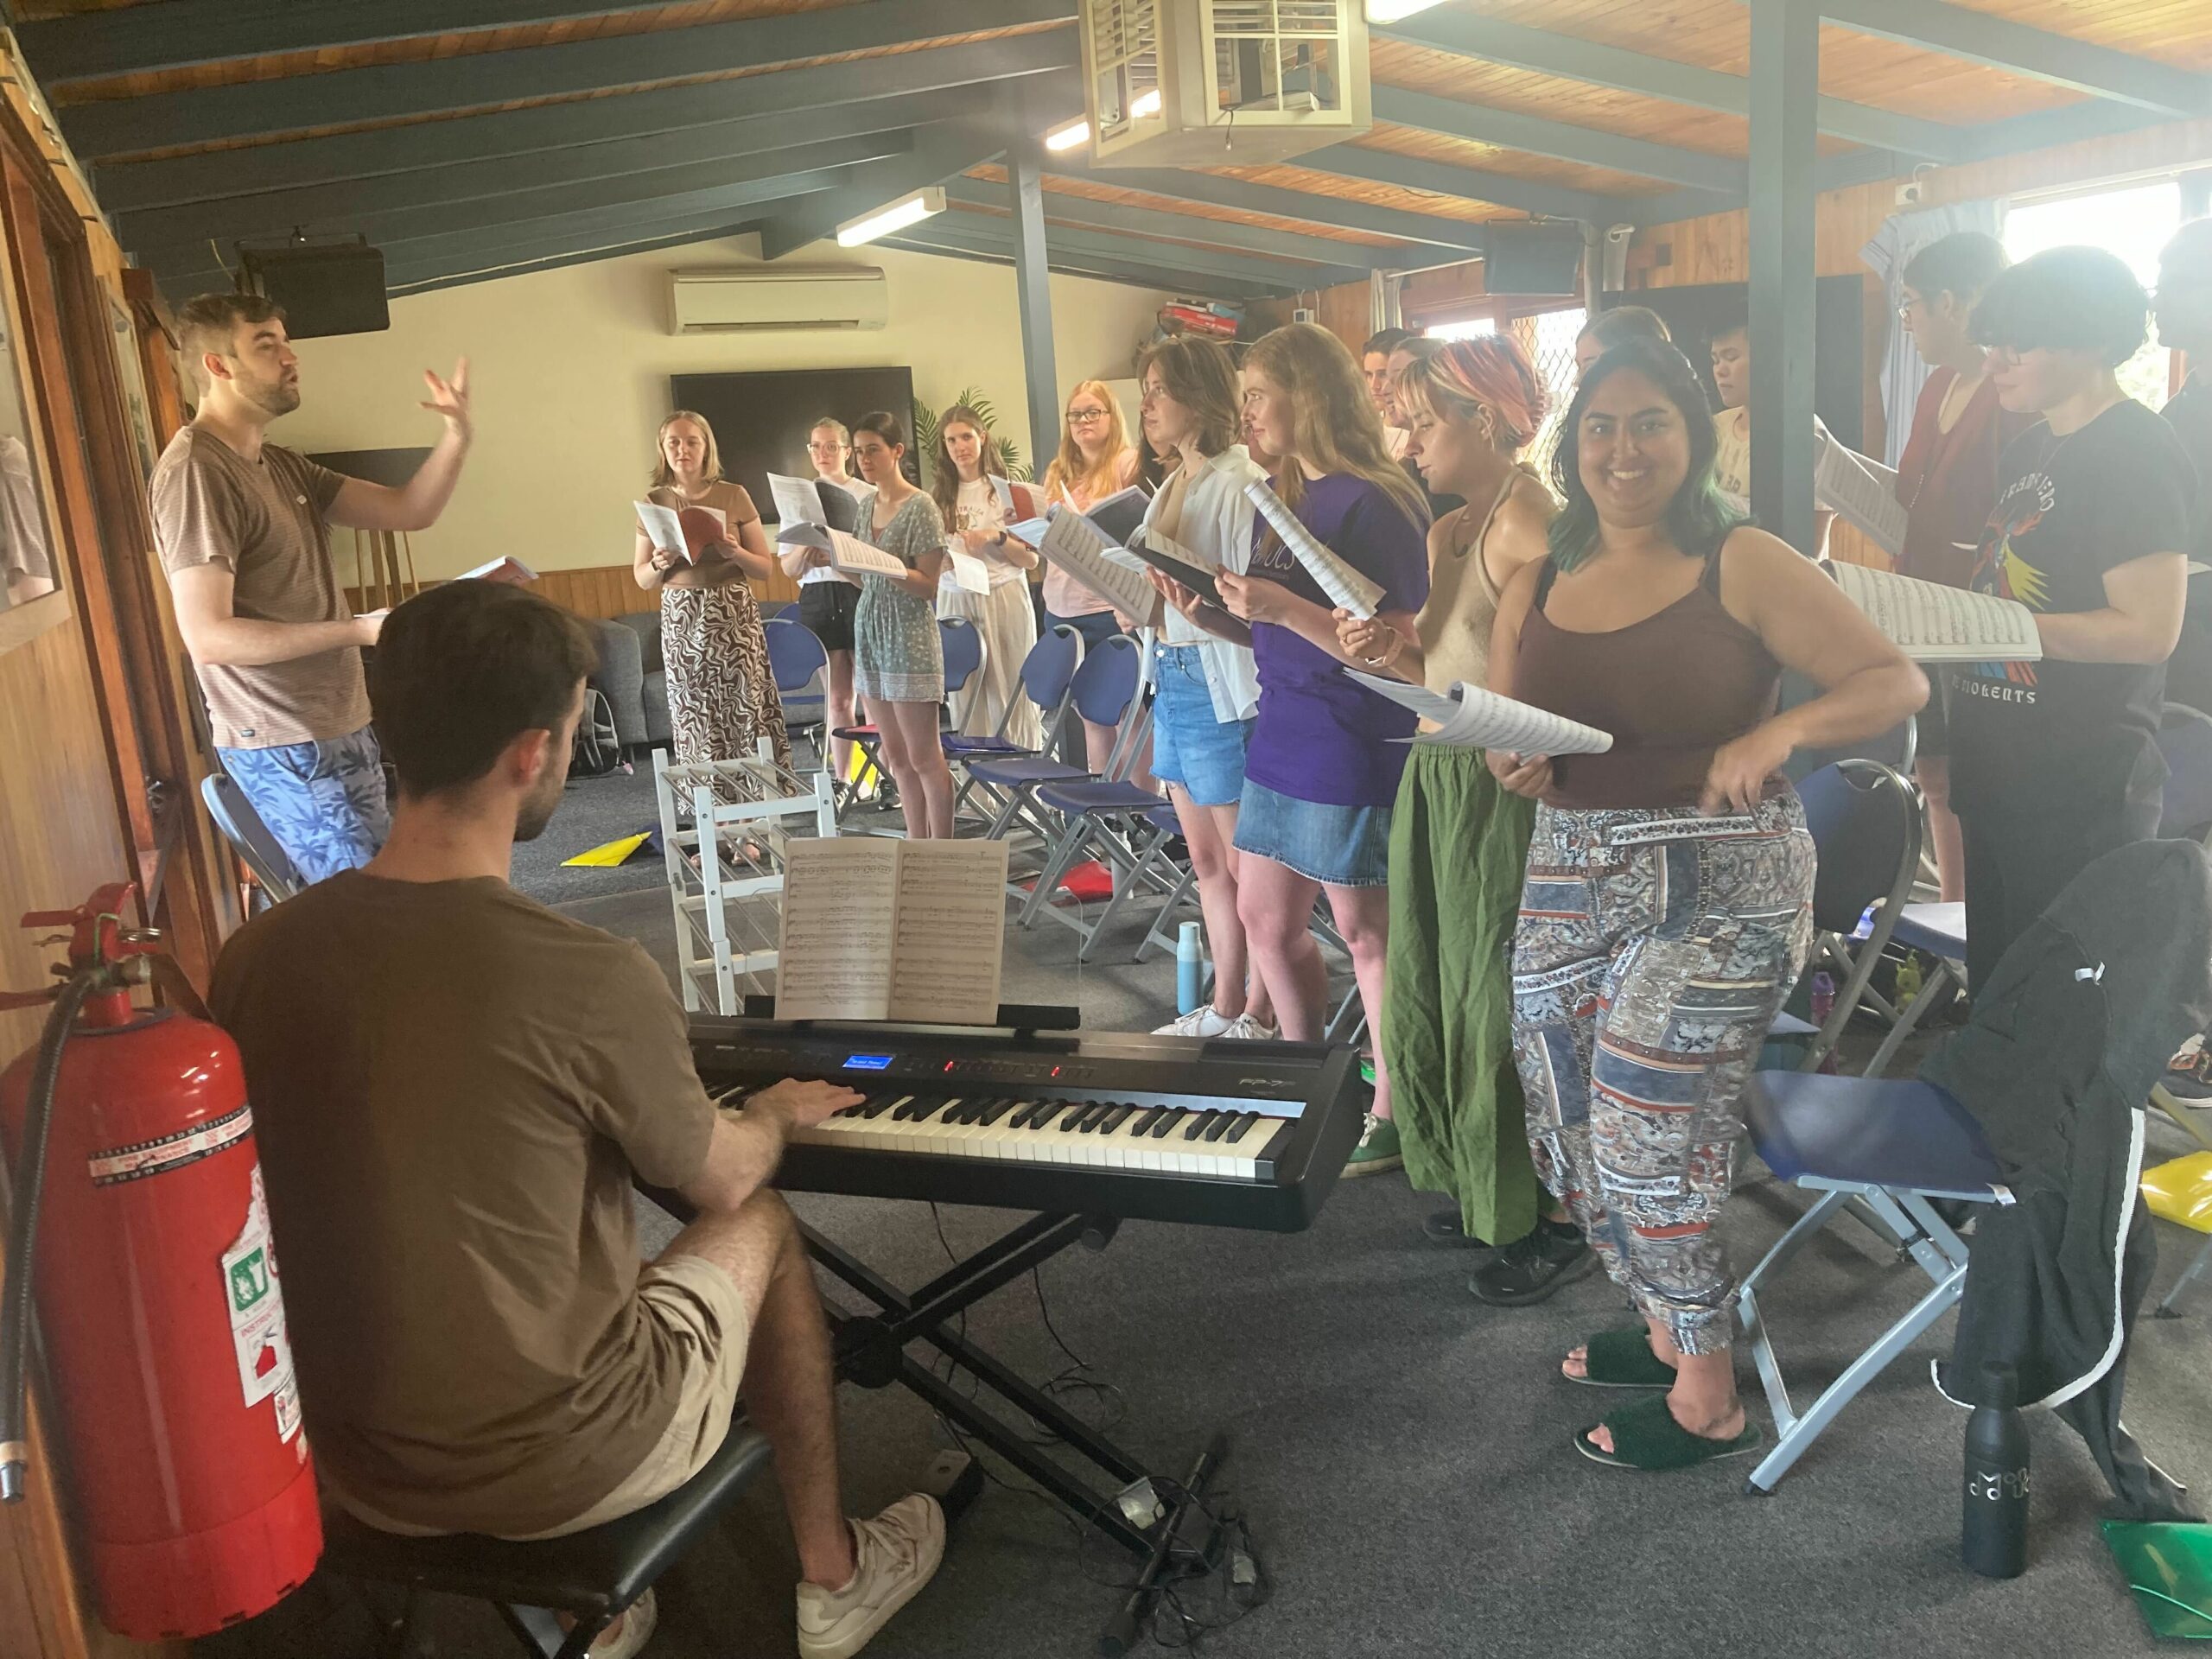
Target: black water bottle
<point x="1993" y="1538"/>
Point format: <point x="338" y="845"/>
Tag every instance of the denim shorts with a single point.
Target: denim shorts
<point x="1190" y="746"/>
<point x="324" y="802"/>
<point x="1337" y="846"/>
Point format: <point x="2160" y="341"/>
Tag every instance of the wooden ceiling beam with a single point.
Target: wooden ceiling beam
<point x="403" y="91"/>
<point x="1129" y="268"/>
<point x="1467" y="35"/>
<point x="975" y="230"/>
<point x="1560" y="140"/>
<point x="1463" y="183"/>
<point x="2019" y="49"/>
<point x="666" y="115"/>
<point x="940" y="154"/>
<point x="1120" y="216"/>
<point x="1304" y="206"/>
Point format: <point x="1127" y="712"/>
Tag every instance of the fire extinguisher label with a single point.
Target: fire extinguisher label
<point x="144" y="1158"/>
<point x="256" y="1310"/>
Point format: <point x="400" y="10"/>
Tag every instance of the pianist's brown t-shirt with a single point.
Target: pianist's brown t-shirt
<point x="452" y="1085"/>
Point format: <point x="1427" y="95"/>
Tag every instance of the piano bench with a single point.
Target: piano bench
<point x="591" y="1575"/>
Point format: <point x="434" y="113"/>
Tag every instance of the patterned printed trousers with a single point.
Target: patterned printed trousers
<point x="324" y="802"/>
<point x="1653" y="951"/>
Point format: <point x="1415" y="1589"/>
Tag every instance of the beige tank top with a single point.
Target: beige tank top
<point x="1454" y="627"/>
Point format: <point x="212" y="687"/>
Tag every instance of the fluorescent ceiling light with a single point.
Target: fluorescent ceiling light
<point x="1070" y="136"/>
<point x="910" y="209"/>
<point x="1145" y="104"/>
<point x="1390" y="11"/>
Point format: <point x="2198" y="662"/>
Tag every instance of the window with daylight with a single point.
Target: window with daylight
<point x="2135" y="221"/>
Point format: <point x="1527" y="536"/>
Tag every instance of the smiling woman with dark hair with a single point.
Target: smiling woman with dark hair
<point x="1669" y="905"/>
<point x="2056" y="762"/>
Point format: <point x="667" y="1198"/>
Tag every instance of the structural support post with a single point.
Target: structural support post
<point x="1784" y="95"/>
<point x="1033" y="295"/>
<point x="1593" y="270"/>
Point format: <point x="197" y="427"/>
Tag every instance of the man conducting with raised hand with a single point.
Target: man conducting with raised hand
<point x="454" y="1087"/>
<point x="243" y="529"/>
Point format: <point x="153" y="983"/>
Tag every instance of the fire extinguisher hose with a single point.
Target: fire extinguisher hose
<point x="29" y="1176"/>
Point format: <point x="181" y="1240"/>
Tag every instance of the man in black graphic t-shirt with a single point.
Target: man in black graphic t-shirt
<point x="2056" y="762"/>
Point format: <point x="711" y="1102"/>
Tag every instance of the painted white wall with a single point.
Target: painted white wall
<point x="569" y="372"/>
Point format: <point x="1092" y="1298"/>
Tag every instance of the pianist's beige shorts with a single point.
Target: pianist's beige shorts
<point x="701" y="1308"/>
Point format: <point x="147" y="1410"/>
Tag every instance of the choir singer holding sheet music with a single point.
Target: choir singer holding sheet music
<point x="826" y="600"/>
<point x="721" y="694"/>
<point x="965" y="482"/>
<point x="1669" y="905"/>
<point x="1322" y="769"/>
<point x="1458" y="843"/>
<point x="2054" y="762"/>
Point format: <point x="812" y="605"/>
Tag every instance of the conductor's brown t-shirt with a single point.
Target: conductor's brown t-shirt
<point x="451" y="1086"/>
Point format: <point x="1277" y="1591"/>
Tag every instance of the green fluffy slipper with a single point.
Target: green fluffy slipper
<point x="1646" y="1437"/>
<point x="1624" y="1359"/>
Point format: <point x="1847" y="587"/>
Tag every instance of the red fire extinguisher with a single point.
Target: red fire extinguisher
<point x="133" y="1171"/>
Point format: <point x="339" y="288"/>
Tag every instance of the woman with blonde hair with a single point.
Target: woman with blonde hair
<point x="962" y="484"/>
<point x="1095" y="459"/>
<point x="1458" y="843"/>
<point x="721" y="694"/>
<point x="1322" y="768"/>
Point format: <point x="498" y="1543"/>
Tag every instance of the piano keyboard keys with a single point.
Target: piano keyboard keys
<point x="1104" y="1134"/>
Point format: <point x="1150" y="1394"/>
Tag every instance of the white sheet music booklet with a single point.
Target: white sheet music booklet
<point x="1931" y="623"/>
<point x="1473" y="718"/>
<point x="1345" y="585"/>
<point x="876" y="929"/>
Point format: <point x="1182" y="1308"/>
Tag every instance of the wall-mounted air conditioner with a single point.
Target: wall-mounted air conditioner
<point x="1184" y="83"/>
<point x="751" y="299"/>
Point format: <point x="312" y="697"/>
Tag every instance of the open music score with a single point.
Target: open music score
<point x="1472" y="717"/>
<point x="874" y="929"/>
<point x="689" y="530"/>
<point x="1074" y="542"/>
<point x="1346" y="587"/>
<point x="1931" y="623"/>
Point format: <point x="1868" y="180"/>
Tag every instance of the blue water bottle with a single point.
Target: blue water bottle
<point x="1190" y="968"/>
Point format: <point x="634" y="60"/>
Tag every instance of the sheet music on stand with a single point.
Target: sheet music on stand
<point x="877" y="929"/>
<point x="1472" y="717"/>
<point x="1345" y="585"/>
<point x="1931" y="623"/>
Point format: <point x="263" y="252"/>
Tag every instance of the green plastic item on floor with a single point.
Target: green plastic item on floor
<point x="2169" y="1566"/>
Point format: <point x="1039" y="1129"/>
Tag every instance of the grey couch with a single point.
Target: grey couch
<point x="633" y="678"/>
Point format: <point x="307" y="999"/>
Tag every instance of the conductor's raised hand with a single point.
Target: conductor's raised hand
<point x="449" y="398"/>
<point x="1529" y="775"/>
<point x="802" y="1105"/>
<point x="1253" y="599"/>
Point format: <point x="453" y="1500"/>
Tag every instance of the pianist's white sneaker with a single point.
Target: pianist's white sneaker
<point x="1201" y="1021"/>
<point x="899" y="1553"/>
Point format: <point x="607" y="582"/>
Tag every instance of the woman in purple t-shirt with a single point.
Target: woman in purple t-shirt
<point x="1323" y="765"/>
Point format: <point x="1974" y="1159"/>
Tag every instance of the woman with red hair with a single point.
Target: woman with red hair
<point x="1458" y="843"/>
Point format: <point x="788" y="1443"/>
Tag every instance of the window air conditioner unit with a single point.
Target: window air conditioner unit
<point x="750" y="299"/>
<point x="1185" y="83"/>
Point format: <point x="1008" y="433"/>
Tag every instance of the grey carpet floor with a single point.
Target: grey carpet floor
<point x="1401" y="1451"/>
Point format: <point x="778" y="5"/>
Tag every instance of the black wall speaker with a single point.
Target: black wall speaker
<point x="325" y="288"/>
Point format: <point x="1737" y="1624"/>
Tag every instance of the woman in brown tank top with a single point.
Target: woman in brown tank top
<point x="1667" y="908"/>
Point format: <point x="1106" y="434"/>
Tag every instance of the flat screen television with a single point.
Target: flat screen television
<point x="1694" y="314"/>
<point x="761" y="419"/>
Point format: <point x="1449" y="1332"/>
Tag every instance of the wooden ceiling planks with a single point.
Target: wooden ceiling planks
<point x="1091" y="190"/>
<point x="424" y="49"/>
<point x="1139" y="241"/>
<point x="1494" y="85"/>
<point x="603" y="92"/>
<point x="1495" y="158"/>
<point x="1291" y="176"/>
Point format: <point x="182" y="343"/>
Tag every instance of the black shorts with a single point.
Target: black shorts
<point x="828" y="608"/>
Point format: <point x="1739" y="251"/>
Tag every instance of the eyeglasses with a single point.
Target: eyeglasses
<point x="828" y="449"/>
<point x="1085" y="417"/>
<point x="1912" y="302"/>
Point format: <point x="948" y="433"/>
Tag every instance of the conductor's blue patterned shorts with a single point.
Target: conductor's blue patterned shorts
<point x="324" y="801"/>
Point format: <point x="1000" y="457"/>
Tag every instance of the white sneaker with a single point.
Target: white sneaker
<point x="637" y="1622"/>
<point x="1201" y="1021"/>
<point x="1245" y="1029"/>
<point x="899" y="1553"/>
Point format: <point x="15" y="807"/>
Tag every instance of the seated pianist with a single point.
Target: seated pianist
<point x="454" y="1087"/>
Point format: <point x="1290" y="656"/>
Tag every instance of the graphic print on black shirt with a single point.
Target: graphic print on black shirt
<point x="2070" y="510"/>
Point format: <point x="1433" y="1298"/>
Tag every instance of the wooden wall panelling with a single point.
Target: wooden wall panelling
<point x="604" y="591"/>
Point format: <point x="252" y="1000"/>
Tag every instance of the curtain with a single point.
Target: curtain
<point x="1902" y="236"/>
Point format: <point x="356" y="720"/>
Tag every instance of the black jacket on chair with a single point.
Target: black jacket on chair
<point x="2079" y="1020"/>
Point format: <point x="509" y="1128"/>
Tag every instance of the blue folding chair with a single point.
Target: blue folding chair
<point x="1104" y="691"/>
<point x="1865" y="822"/>
<point x="275" y="879"/>
<point x="1116" y="821"/>
<point x="1047" y="679"/>
<point x="799" y="664"/>
<point x="961" y="645"/>
<point x="1895" y="1146"/>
